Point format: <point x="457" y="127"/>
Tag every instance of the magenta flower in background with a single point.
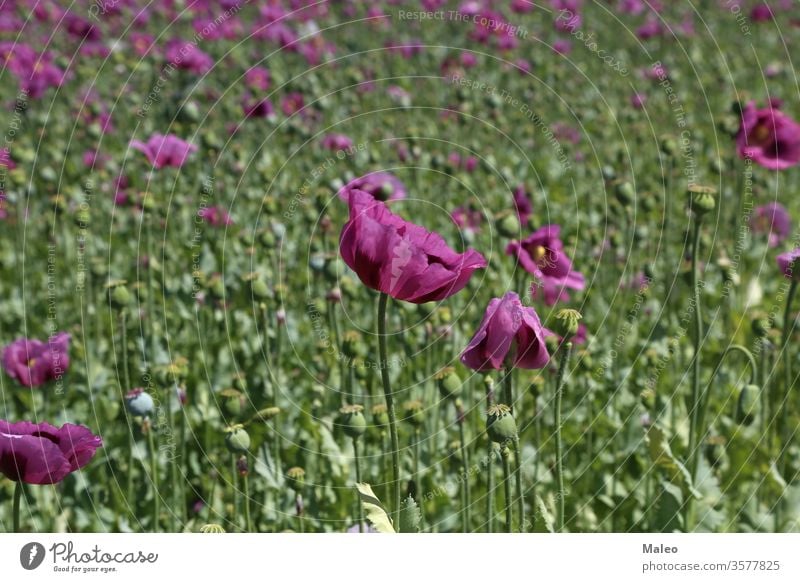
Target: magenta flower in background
<point x="337" y="142"/>
<point x="33" y="362"/>
<point x="638" y="100"/>
<point x="769" y="137"/>
<point x="522" y="204"/>
<point x="142" y="43"/>
<point x="215" y="216"/>
<point x="399" y="258"/>
<point x="257" y="78"/>
<point x="789" y="265"/>
<point x="41" y="454"/>
<point x="509" y="333"/>
<point x="292" y="103"/>
<point x="187" y="56"/>
<point x="772" y="219"/>
<point x="562" y="46"/>
<point x="467" y="218"/>
<point x="542" y="255"/>
<point x="165" y="150"/>
<point x="380" y="185"/>
<point x="761" y="13"/>
<point x="257" y="107"/>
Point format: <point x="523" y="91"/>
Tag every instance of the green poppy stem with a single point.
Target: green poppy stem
<point x="565" y="357"/>
<point x="504" y="454"/>
<point x="18" y="486"/>
<point x="154" y="477"/>
<point x="387" y="393"/>
<point x="465" y="493"/>
<point x="358" y="480"/>
<point x="781" y="408"/>
<point x="518" y="479"/>
<point x="247" y="520"/>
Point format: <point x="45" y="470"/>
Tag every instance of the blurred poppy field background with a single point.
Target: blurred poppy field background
<point x="329" y="266"/>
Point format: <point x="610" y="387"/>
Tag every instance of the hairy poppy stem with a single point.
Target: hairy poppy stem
<point x="559" y="446"/>
<point x="17" y="497"/>
<point x="518" y="479"/>
<point x="154" y="477"/>
<point x="465" y="494"/>
<point x="358" y="480"/>
<point x="781" y="408"/>
<point x="387" y="393"/>
<point x="504" y="454"/>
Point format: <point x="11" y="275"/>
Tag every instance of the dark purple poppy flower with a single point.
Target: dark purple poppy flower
<point x="789" y="264"/>
<point x="216" y="216"/>
<point x="761" y="13"/>
<point x="257" y="78"/>
<point x="165" y="150"/>
<point x="41" y="454"/>
<point x="509" y="334"/>
<point x="188" y="56"/>
<point x="772" y="219"/>
<point x="257" y="107"/>
<point x="380" y="185"/>
<point x="769" y="137"/>
<point x="522" y="204"/>
<point x="542" y="255"/>
<point x="33" y="362"/>
<point x="400" y="258"/>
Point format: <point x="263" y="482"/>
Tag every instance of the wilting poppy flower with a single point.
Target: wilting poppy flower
<point x="509" y="333"/>
<point x="772" y="219"/>
<point x="165" y="150"/>
<point x="789" y="264"/>
<point x="542" y="255"/>
<point x="400" y="258"/>
<point x="33" y="362"/>
<point x="379" y="185"/>
<point x="769" y="137"/>
<point x="41" y="454"/>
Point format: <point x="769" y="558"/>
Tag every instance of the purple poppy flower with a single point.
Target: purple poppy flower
<point x="255" y="107"/>
<point x="380" y="185"/>
<point x="399" y="258"/>
<point x="509" y="333"/>
<point x="32" y="362"/>
<point x="187" y="56"/>
<point x="467" y="218"/>
<point x="789" y="265"/>
<point x="774" y="220"/>
<point x="216" y="216"/>
<point x="165" y="150"/>
<point x="769" y="137"/>
<point x="41" y="454"/>
<point x="257" y="78"/>
<point x="336" y="142"/>
<point x="542" y="255"/>
<point x="522" y="204"/>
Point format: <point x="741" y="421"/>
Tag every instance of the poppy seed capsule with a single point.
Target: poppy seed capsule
<point x="567" y="323"/>
<point x="449" y="383"/>
<point x="118" y="294"/>
<point x="351" y="417"/>
<point x="380" y="415"/>
<point x="295" y="478"/>
<point x="414" y="412"/>
<point x="625" y="193"/>
<point x="508" y="225"/>
<point x="139" y="403"/>
<point x="500" y="424"/>
<point x="237" y="440"/>
<point x="702" y="199"/>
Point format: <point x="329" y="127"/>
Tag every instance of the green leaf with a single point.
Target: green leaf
<point x="410" y="516"/>
<point x="662" y="457"/>
<point x="373" y="508"/>
<point x="544" y="513"/>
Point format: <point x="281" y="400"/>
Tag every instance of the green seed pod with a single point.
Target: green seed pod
<point x="508" y="225"/>
<point x="237" y="440"/>
<point x="352" y="346"/>
<point x="233" y="402"/>
<point x="414" y="412"/>
<point x="266" y="414"/>
<point x="380" y="415"/>
<point x="118" y="294"/>
<point x="702" y="199"/>
<point x="567" y="323"/>
<point x="669" y="146"/>
<point x="351" y="418"/>
<point x="760" y="325"/>
<point x="448" y="382"/>
<point x="625" y="193"/>
<point x="295" y="477"/>
<point x="748" y="404"/>
<point x="260" y="289"/>
<point x="500" y="424"/>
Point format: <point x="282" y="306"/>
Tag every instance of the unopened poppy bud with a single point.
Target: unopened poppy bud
<point x="414" y="412"/>
<point x="508" y="225"/>
<point x="567" y="323"/>
<point x="334" y="295"/>
<point x="500" y="424"/>
<point x="118" y="294"/>
<point x="233" y="401"/>
<point x="267" y="413"/>
<point x="260" y="289"/>
<point x="352" y="346"/>
<point x="139" y="403"/>
<point x="625" y="193"/>
<point x="241" y="466"/>
<point x="702" y="199"/>
<point x="380" y="415"/>
<point x="669" y="146"/>
<point x="295" y="477"/>
<point x="448" y="382"/>
<point x="351" y="418"/>
<point x="237" y="440"/>
<point x="748" y="405"/>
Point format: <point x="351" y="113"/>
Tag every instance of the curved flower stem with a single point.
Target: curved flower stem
<point x="154" y="477"/>
<point x="518" y="478"/>
<point x="694" y="404"/>
<point x="565" y="357"/>
<point x="387" y="393"/>
<point x="18" y="486"/>
<point x="504" y="454"/>
<point x="358" y="480"/>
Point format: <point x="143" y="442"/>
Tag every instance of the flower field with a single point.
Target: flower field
<point x="399" y="266"/>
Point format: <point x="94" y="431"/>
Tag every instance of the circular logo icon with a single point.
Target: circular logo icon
<point x="31" y="555"/>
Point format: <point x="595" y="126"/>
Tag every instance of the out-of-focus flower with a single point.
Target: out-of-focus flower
<point x="188" y="56"/>
<point x="165" y="150"/>
<point x="789" y="264"/>
<point x="215" y="216"/>
<point x="772" y="219"/>
<point x="337" y="142"/>
<point x="380" y="185"/>
<point x="32" y="362"/>
<point x="769" y="137"/>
